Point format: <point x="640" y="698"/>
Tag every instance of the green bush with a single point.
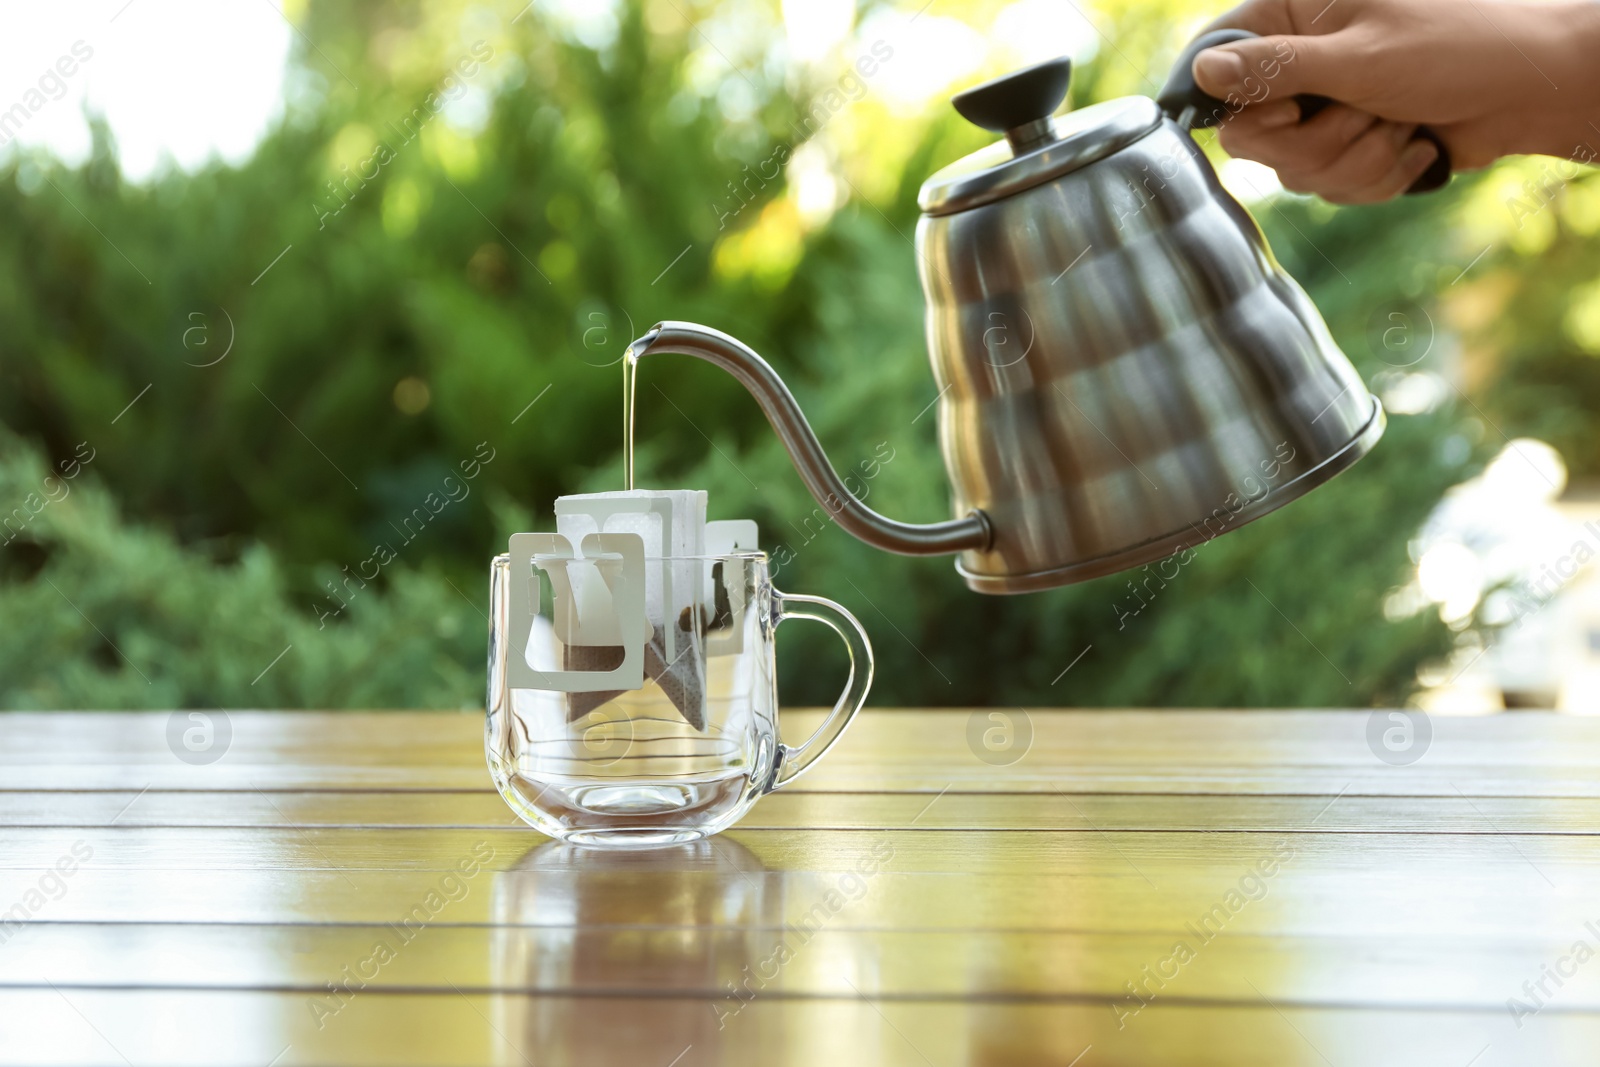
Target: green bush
<point x="103" y="613"/>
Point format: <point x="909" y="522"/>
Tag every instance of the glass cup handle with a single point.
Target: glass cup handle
<point x="795" y="759"/>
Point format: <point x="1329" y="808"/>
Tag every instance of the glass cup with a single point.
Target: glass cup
<point x="681" y="757"/>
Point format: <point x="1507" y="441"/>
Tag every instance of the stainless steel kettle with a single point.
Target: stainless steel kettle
<point x="1124" y="369"/>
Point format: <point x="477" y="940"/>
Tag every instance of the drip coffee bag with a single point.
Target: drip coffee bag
<point x="678" y="606"/>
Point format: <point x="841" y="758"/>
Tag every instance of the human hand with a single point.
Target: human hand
<point x="1483" y="74"/>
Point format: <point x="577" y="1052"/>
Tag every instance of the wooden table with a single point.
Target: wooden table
<point x="347" y="888"/>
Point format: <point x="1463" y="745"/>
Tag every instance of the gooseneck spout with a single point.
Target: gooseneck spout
<point x="778" y="404"/>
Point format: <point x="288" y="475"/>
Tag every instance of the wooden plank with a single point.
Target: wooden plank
<point x="1493" y="901"/>
<point x="152" y="808"/>
<point x="1288" y="753"/>
<point x="1395" y="970"/>
<point x="1332" y="885"/>
<point x="1077" y="852"/>
<point x="340" y="737"/>
<point x="231" y="774"/>
<point x="904" y="734"/>
<point x="787" y="810"/>
<point x="47" y="1028"/>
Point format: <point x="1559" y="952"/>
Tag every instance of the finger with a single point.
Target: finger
<point x="1364" y="164"/>
<point x="1256" y="121"/>
<point x="1306" y="147"/>
<point x="1414" y="158"/>
<point x="1251" y="71"/>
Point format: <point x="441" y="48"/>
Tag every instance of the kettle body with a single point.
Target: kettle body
<point x="1124" y="369"/>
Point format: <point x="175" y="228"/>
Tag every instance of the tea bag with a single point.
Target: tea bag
<point x="672" y="524"/>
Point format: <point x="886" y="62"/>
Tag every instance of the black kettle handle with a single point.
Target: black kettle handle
<point x="1193" y="108"/>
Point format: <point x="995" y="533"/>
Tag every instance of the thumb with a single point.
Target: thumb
<point x="1267" y="68"/>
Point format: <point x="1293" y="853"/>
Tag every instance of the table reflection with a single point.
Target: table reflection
<point x="633" y="957"/>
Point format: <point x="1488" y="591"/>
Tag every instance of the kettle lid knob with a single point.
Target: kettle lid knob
<point x="1018" y="104"/>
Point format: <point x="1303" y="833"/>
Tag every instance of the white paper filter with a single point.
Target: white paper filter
<point x="672" y="523"/>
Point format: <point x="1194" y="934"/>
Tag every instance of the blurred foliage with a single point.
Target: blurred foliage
<point x="107" y="614"/>
<point x="274" y="365"/>
<point x="1530" y="309"/>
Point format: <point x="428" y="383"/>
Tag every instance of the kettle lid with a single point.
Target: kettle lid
<point x="1037" y="148"/>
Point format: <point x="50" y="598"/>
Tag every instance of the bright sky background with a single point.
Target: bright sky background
<point x="183" y="80"/>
